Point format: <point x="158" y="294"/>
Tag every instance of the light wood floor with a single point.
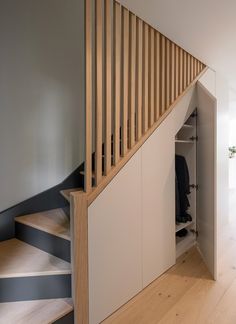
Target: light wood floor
<point x="186" y="294"/>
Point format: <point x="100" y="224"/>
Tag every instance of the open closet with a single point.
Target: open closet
<point x="195" y="156"/>
<point x="186" y="185"/>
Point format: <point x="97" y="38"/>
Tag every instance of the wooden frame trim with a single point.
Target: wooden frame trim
<point x="115" y="169"/>
<point x="79" y="256"/>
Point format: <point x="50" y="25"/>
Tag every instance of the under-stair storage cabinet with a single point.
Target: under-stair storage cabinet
<point x="158" y="194"/>
<point x="115" y="243"/>
<point x="132" y="226"/>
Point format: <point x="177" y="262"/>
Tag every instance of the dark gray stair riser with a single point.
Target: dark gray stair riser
<point x="33" y="288"/>
<point x="44" y="241"/>
<point x="67" y="319"/>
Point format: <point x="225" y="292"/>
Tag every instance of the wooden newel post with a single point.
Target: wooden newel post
<point x="79" y="256"/>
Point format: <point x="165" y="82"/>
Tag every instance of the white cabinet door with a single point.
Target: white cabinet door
<point x="158" y="199"/>
<point x="206" y="175"/>
<point x="115" y="243"/>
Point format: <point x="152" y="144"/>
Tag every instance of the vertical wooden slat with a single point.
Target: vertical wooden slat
<point x="151" y="78"/>
<point x="88" y="85"/>
<point x="145" y="78"/>
<point x="167" y="78"/>
<point x="132" y="80"/>
<point x="195" y="68"/>
<point x="139" y="79"/>
<point x="172" y="72"/>
<point x="157" y="77"/>
<point x="192" y="69"/>
<point x="181" y="71"/>
<point x="162" y="83"/>
<point x="188" y="70"/>
<point x="184" y="70"/>
<point x="99" y="91"/>
<point x="108" y="62"/>
<point x="176" y="71"/>
<point x="198" y="67"/>
<point x="126" y="93"/>
<point x="117" y="78"/>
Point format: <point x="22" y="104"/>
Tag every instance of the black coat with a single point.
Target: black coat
<point x="182" y="185"/>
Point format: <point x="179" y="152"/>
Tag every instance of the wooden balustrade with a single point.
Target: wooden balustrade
<point x="134" y="75"/>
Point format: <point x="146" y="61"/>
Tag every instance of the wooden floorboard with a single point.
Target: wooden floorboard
<point x="186" y="294"/>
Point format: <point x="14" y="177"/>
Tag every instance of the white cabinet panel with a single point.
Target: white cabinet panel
<point x="115" y="238"/>
<point x="206" y="174"/>
<point x="158" y="197"/>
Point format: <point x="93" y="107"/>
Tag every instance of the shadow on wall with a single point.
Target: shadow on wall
<point x="49" y="199"/>
<point x="41" y="96"/>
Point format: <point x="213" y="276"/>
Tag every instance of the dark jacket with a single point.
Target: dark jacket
<point x="182" y="185"/>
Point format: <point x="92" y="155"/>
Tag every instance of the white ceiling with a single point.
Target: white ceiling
<point x="205" y="28"/>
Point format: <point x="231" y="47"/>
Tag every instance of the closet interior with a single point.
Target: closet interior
<point x="186" y="185"/>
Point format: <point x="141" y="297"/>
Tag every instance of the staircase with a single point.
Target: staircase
<point x="35" y="270"/>
<point x="137" y="76"/>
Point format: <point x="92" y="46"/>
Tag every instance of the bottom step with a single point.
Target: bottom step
<point x="35" y="312"/>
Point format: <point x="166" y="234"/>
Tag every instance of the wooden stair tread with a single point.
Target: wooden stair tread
<point x="19" y="259"/>
<point x="35" y="311"/>
<point x="53" y="222"/>
<point x="66" y="193"/>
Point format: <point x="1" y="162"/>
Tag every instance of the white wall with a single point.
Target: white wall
<point x="41" y="99"/>
<point x="232" y="162"/>
<point x="204" y="28"/>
